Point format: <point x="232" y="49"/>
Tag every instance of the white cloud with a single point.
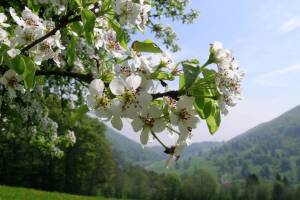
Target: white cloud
<point x="271" y="78"/>
<point x="291" y="25"/>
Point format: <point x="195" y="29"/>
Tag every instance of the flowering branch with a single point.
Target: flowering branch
<point x="65" y="21"/>
<point x="118" y="77"/>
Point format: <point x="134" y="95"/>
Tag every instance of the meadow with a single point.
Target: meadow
<point x="16" y="193"/>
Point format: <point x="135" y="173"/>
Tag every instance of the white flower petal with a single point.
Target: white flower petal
<point x="185" y="102"/>
<point x="192" y="122"/>
<point x="103" y="113"/>
<point x="91" y="101"/>
<point x="116" y="107"/>
<point x="132" y="111"/>
<point x="117" y="123"/>
<point x="96" y="87"/>
<point x="144" y="99"/>
<point x="137" y="124"/>
<point x="174" y="119"/>
<point x="158" y="126"/>
<point x="15" y="17"/>
<point x="133" y="82"/>
<point x="3" y="17"/>
<point x="117" y="86"/>
<point x="13" y="52"/>
<point x="154" y="112"/>
<point x="144" y="137"/>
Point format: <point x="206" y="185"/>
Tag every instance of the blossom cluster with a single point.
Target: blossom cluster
<point x="132" y="13"/>
<point x="29" y="28"/>
<point x="229" y="76"/>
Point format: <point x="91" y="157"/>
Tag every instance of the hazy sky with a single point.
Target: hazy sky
<point x="265" y="38"/>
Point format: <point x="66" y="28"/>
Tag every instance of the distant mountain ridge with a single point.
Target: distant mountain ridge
<point x="125" y="149"/>
<point x="128" y="150"/>
<point x="268" y="149"/>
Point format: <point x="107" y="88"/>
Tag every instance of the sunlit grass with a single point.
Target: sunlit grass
<point x="14" y="193"/>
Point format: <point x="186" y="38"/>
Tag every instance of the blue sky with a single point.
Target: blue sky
<point x="265" y="38"/>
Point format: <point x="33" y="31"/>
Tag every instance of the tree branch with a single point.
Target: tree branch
<point x="173" y="94"/>
<point x="81" y="77"/>
<point x="65" y="21"/>
<point x="87" y="78"/>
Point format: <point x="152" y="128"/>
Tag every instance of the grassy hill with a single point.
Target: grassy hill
<point x="268" y="149"/>
<point x="14" y="193"/>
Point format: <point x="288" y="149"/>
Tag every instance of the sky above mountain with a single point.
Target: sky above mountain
<point x="265" y="38"/>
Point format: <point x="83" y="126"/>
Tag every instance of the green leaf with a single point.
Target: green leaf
<point x="33" y="6"/>
<point x="214" y="120"/>
<point x="146" y="46"/>
<point x="18" y="64"/>
<point x="71" y="51"/>
<point x="4" y="57"/>
<point x="80" y="112"/>
<point x="203" y="87"/>
<point x="208" y="73"/>
<point x="191" y="72"/>
<point x="88" y="19"/>
<point x="29" y="73"/>
<point x="121" y="34"/>
<point x="208" y="107"/>
<point x="78" y="2"/>
<point x="181" y="82"/>
<point x="161" y="75"/>
<point x="203" y="106"/>
<point x="77" y="28"/>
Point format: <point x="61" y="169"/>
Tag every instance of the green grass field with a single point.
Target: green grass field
<point x="14" y="193"/>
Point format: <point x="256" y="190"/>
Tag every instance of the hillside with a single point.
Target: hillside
<point x="125" y="149"/>
<point x="267" y="149"/>
<point x="194" y="149"/>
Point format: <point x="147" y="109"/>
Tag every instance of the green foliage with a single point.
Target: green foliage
<point x="214" y="119"/>
<point x="161" y="75"/>
<point x="71" y="50"/>
<point x="85" y="168"/>
<point x="79" y="113"/>
<point x="146" y="46"/>
<point x="191" y="72"/>
<point x="88" y="20"/>
<point x="121" y="34"/>
<point x="29" y="72"/>
<point x="14" y="193"/>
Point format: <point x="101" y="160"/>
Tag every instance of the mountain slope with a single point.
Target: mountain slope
<point x="125" y="149"/>
<point x="268" y="149"/>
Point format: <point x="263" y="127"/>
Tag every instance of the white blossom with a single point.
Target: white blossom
<point x="184" y="117"/>
<point x="228" y="77"/>
<point x="132" y="99"/>
<point x="104" y="107"/>
<point x="11" y="81"/>
<point x="149" y="120"/>
<point x="13" y="52"/>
